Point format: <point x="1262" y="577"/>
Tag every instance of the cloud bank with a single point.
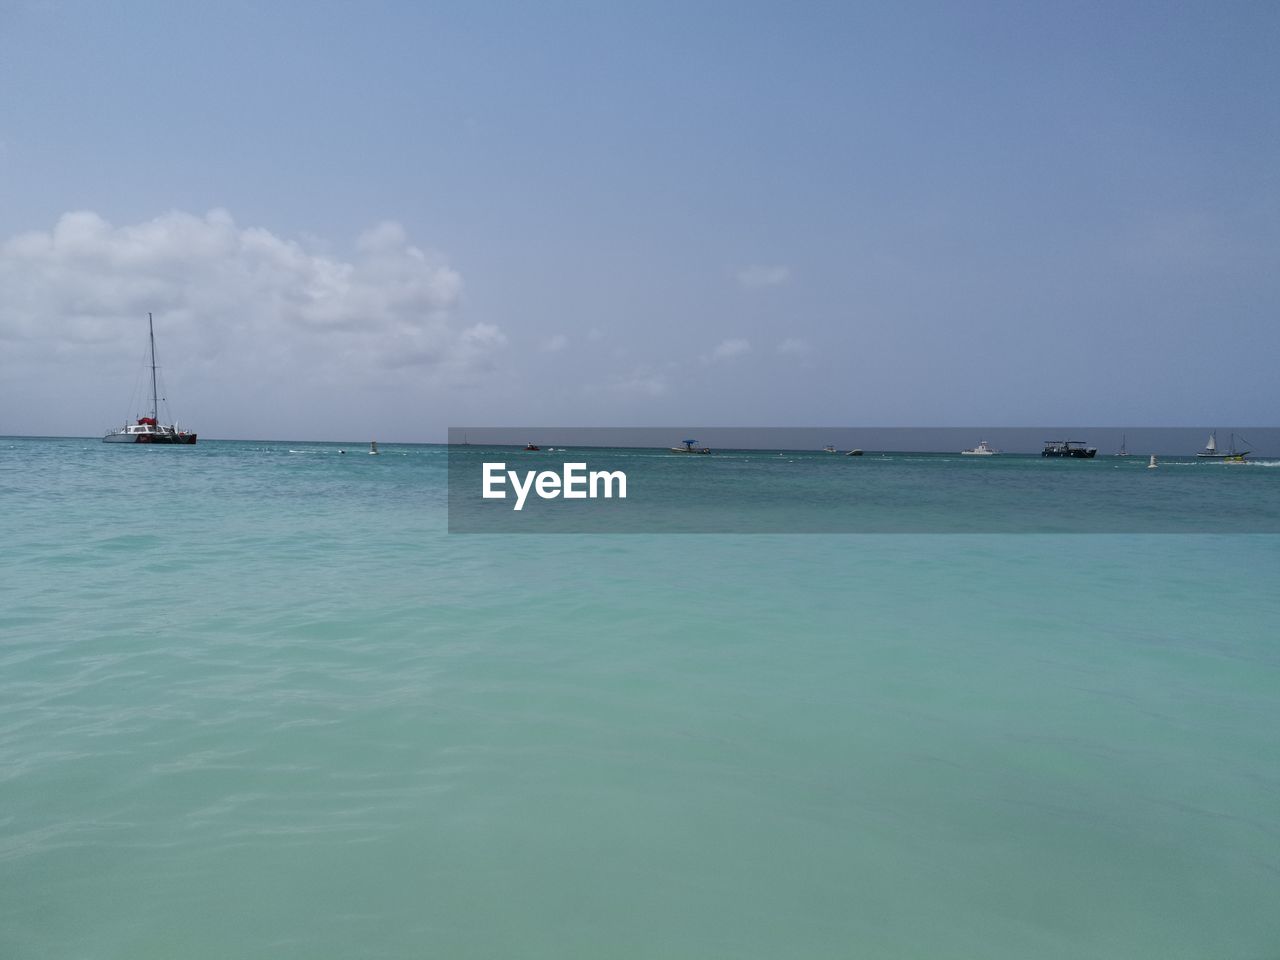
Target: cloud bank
<point x="238" y="294"/>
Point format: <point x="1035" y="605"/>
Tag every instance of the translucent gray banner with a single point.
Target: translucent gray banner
<point x="864" y="480"/>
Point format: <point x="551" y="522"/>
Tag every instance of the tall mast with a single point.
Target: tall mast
<point x="155" y="399"/>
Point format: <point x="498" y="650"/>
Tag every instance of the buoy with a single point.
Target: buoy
<point x="1152" y="464"/>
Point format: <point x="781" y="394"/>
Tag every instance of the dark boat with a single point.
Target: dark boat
<point x="532" y="446"/>
<point x="1075" y="449"/>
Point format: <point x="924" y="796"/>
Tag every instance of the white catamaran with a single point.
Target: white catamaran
<point x="150" y="429"/>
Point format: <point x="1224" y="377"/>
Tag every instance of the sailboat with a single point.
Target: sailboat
<point x="1211" y="451"/>
<point x="150" y="429"/>
<point x="1123" y="451"/>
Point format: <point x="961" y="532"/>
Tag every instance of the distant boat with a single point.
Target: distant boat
<point x="1152" y="465"/>
<point x="373" y="448"/>
<point x="1074" y="449"/>
<point x="532" y="446"/>
<point x="1211" y="451"/>
<point x="1123" y="451"/>
<point x="690" y="448"/>
<point x="149" y="429"/>
<point x="983" y="449"/>
<point x="855" y="452"/>
<point x="828" y="449"/>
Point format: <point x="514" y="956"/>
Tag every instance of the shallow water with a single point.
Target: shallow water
<point x="257" y="703"/>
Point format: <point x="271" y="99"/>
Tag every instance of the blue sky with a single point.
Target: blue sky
<point x="399" y="216"/>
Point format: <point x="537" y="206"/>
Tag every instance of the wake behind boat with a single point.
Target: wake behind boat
<point x="149" y="429"/>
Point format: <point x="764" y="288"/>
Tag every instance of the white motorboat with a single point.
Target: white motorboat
<point x="690" y="447"/>
<point x="983" y="449"/>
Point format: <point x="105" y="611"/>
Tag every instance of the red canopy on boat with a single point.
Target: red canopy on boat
<point x="150" y="420"/>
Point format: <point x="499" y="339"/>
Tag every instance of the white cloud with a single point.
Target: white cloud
<point x="243" y="296"/>
<point x="555" y="344"/>
<point x="794" y="347"/>
<point x="642" y="381"/>
<point x="764" y="275"/>
<point x="728" y="349"/>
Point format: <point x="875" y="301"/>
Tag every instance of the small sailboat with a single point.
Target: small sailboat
<point x="1123" y="451"/>
<point x="150" y="429"/>
<point x="1211" y="451"/>
<point x="1152" y="465"/>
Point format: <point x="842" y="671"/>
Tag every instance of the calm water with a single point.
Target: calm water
<point x="257" y="703"/>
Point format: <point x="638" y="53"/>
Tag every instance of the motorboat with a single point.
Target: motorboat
<point x="1073" y="449"/>
<point x="690" y="446"/>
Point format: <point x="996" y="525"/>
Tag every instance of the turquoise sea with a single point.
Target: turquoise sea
<point x="256" y="702"/>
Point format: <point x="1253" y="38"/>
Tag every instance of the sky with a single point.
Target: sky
<point x="383" y="219"/>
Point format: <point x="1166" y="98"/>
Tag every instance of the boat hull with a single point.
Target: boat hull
<point x="1073" y="454"/>
<point x="182" y="439"/>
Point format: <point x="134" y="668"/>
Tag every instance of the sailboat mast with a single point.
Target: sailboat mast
<point x="155" y="399"/>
